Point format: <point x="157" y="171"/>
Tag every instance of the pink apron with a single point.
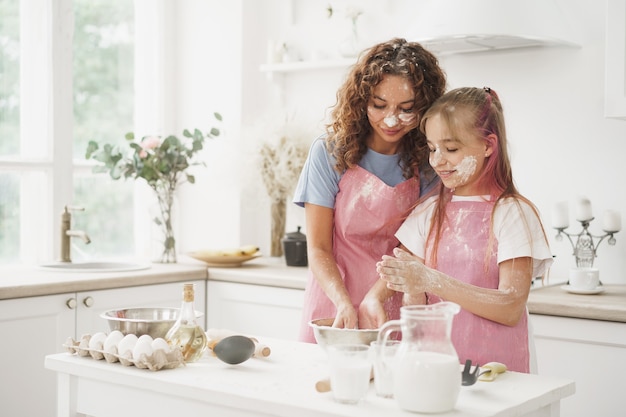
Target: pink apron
<point x="367" y="213"/>
<point x="461" y="255"/>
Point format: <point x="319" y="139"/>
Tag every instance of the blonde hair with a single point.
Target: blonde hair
<point x="477" y="112"/>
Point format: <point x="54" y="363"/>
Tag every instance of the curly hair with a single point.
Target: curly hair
<point x="350" y="127"/>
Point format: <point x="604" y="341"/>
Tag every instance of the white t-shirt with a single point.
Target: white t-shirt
<point x="518" y="232"/>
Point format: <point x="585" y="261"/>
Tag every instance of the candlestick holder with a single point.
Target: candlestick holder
<point x="585" y="249"/>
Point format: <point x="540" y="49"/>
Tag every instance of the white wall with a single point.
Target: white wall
<point x="561" y="144"/>
<point x="208" y="79"/>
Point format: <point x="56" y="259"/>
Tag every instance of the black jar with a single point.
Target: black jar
<point x="294" y="247"/>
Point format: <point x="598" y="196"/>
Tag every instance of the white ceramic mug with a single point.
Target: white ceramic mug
<point x="350" y="370"/>
<point x="584" y="278"/>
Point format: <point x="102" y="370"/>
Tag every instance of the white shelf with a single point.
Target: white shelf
<point x="284" y="67"/>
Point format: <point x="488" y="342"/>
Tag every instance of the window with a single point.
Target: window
<point x="9" y="127"/>
<point x="103" y="111"/>
<point x="57" y="92"/>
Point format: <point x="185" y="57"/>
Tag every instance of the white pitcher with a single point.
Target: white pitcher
<point x="426" y="372"/>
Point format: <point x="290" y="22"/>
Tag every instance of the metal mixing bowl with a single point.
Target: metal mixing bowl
<point x="155" y="321"/>
<point x="326" y="335"/>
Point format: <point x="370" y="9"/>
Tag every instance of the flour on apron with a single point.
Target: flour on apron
<point x="367" y="214"/>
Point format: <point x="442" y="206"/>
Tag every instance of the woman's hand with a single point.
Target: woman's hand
<point x="372" y="313"/>
<point x="319" y="223"/>
<point x="346" y="317"/>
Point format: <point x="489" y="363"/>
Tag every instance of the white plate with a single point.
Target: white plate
<point x="573" y="290"/>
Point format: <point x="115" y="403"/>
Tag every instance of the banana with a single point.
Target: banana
<point x="249" y="249"/>
<point x="491" y="371"/>
<point x="231" y="252"/>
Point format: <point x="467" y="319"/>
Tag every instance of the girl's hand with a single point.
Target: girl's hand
<point x="406" y="273"/>
<point x="413" y="299"/>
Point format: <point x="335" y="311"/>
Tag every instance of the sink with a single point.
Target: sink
<point x="95" y="266"/>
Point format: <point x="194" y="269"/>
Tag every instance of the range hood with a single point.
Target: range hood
<point x="463" y="26"/>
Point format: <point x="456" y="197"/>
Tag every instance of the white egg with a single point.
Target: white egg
<point x="145" y="337"/>
<point x="112" y="340"/>
<point x="127" y="344"/>
<point x="142" y="347"/>
<point x="97" y="341"/>
<point x="160" y="344"/>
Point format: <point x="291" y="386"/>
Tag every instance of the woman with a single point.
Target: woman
<point x="359" y="180"/>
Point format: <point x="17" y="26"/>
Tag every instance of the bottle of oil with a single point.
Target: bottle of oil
<point x="186" y="333"/>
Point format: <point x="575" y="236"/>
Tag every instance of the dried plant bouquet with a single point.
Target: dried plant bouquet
<point x="281" y="160"/>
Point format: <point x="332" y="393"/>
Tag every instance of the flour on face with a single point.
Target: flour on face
<point x="466" y="169"/>
<point x="391" y="121"/>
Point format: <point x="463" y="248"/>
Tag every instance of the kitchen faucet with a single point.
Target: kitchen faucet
<point x="67" y="233"/>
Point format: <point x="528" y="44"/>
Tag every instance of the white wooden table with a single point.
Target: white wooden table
<point x="281" y="385"/>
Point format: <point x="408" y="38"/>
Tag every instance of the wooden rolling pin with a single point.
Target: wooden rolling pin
<point x="215" y="335"/>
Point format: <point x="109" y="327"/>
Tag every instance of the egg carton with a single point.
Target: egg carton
<point x="158" y="360"/>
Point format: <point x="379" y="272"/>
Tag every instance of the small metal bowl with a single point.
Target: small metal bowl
<point x="326" y="335"/>
<point x="154" y="321"/>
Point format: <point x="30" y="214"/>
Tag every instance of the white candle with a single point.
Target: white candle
<point x="560" y="215"/>
<point x="612" y="221"/>
<point x="583" y="210"/>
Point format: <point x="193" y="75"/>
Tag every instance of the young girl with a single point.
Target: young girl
<point x="478" y="242"/>
<point x="359" y="180"/>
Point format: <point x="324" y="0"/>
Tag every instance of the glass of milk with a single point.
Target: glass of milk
<point x="383" y="375"/>
<point x="350" y="370"/>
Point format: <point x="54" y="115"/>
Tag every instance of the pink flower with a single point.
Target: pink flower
<point x="147" y="143"/>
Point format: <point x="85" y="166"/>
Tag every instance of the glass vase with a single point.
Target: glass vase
<point x="164" y="241"/>
<point x="279" y="216"/>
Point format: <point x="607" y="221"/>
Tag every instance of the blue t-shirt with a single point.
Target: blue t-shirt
<point x="319" y="181"/>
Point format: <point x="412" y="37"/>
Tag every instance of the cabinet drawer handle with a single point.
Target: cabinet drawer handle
<point x="71" y="303"/>
<point x="88" y="301"/>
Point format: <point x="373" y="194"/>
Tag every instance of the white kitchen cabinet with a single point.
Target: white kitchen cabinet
<point x="592" y="353"/>
<point x="615" y="60"/>
<point x="33" y="327"/>
<point x="257" y="310"/>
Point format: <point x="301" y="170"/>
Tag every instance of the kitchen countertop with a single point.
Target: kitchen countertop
<point x="281" y="385"/>
<point x="28" y="281"/>
<point x="270" y="271"/>
<point x="553" y="300"/>
<point x="547" y="300"/>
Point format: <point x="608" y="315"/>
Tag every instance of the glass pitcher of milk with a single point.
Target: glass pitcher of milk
<point x="426" y="372"/>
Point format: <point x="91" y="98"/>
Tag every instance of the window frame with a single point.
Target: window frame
<point x="46" y="165"/>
